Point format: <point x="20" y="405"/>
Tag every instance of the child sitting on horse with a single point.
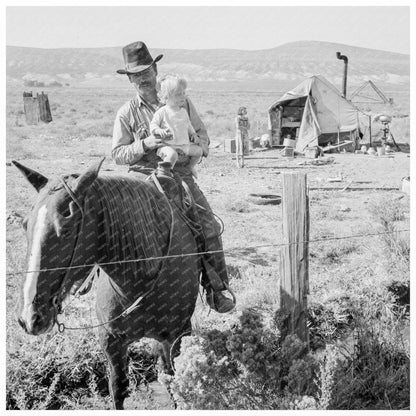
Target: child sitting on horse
<point x="171" y="122"/>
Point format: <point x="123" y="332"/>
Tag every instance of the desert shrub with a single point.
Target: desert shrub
<point x="257" y="367"/>
<point x="55" y="379"/>
<point x="375" y="377"/>
<point x="69" y="372"/>
<point x="388" y="213"/>
<point x="247" y="367"/>
<point x="373" y="372"/>
<point x="55" y="84"/>
<point x="337" y="253"/>
<point x="329" y="322"/>
<point x="388" y="210"/>
<point x="401" y="293"/>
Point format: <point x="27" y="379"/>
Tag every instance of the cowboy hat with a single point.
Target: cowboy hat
<point x="137" y="58"/>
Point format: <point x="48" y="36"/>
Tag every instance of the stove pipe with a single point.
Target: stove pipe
<point x="344" y="81"/>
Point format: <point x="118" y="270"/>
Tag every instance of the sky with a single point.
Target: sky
<point x="208" y="27"/>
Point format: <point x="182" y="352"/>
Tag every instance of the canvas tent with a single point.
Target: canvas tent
<point x="315" y="113"/>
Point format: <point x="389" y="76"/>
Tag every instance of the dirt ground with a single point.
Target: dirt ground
<point x="233" y="193"/>
<point x="340" y="195"/>
<point x="252" y="228"/>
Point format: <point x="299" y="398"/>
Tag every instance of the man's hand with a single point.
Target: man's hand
<point x="194" y="138"/>
<point x="205" y="148"/>
<point x="152" y="142"/>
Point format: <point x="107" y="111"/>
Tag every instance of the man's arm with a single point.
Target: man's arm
<point x="199" y="127"/>
<point x="125" y="149"/>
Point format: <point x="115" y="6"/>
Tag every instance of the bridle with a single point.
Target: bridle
<point x="57" y="299"/>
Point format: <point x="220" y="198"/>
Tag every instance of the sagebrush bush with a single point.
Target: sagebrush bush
<point x="389" y="213"/>
<point x="376" y="376"/>
<point x="254" y="367"/>
<point x="247" y="367"/>
<point x="56" y="378"/>
<point x="66" y="374"/>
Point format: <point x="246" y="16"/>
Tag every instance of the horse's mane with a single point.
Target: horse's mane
<point x="136" y="220"/>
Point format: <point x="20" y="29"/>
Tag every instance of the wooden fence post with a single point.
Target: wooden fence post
<point x="44" y="109"/>
<point x="36" y="108"/>
<point x="31" y="108"/>
<point x="294" y="285"/>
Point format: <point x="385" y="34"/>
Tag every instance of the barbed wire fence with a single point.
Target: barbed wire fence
<point x="225" y="251"/>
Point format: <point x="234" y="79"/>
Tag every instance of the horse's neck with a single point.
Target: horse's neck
<point x="122" y="251"/>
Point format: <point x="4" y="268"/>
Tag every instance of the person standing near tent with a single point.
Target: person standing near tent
<point x="243" y="126"/>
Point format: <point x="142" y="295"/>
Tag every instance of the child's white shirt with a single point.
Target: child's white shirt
<point x="177" y="121"/>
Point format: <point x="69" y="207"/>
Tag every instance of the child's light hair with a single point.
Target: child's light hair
<point x="168" y="85"/>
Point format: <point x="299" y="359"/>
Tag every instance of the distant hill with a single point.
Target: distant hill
<point x="285" y="64"/>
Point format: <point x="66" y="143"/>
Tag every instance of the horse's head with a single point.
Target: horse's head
<point x="52" y="231"/>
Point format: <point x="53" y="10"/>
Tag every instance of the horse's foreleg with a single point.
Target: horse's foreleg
<point x="166" y="358"/>
<point x="115" y="349"/>
<point x="161" y="350"/>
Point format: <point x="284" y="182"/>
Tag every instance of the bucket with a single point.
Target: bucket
<point x="406" y="185"/>
<point x="381" y="151"/>
<point x="289" y="143"/>
<point x="289" y="152"/>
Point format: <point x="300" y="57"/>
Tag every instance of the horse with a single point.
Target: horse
<point x="149" y="273"/>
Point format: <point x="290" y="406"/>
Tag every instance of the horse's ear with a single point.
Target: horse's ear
<point x="37" y="180"/>
<point x="87" y="178"/>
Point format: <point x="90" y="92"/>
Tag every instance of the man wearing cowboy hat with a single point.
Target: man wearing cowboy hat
<point x="134" y="145"/>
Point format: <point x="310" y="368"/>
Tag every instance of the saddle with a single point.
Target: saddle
<point x="178" y="193"/>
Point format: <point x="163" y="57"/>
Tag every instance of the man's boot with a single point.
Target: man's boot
<point x="215" y="287"/>
<point x="219" y="302"/>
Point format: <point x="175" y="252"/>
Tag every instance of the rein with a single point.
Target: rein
<point x="72" y="195"/>
<point x="57" y="301"/>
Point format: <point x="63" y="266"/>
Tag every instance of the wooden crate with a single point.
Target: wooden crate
<point x="229" y="145"/>
<point x="311" y="152"/>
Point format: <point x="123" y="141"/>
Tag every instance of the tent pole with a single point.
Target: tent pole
<point x="338" y="139"/>
<point x="369" y="118"/>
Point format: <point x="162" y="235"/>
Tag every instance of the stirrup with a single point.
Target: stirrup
<point x="227" y="287"/>
<point x="164" y="170"/>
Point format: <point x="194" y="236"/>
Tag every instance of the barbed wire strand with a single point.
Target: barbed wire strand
<point x="236" y="249"/>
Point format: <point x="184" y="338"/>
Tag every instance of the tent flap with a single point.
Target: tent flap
<point x="309" y="130"/>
